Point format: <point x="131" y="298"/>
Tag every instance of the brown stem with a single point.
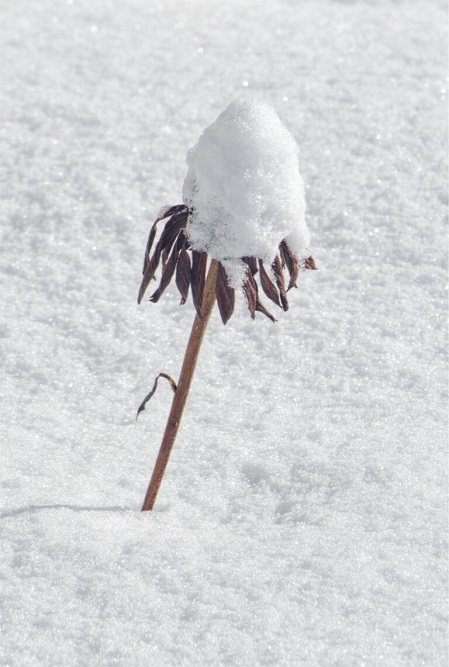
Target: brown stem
<point x="185" y="379"/>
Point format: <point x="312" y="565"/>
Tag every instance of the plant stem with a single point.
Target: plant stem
<point x="185" y="380"/>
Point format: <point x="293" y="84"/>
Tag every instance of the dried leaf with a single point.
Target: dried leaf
<point x="173" y="385"/>
<point x="183" y="274"/>
<point x="267" y="285"/>
<point x="197" y="278"/>
<point x="225" y="294"/>
<point x="279" y="276"/>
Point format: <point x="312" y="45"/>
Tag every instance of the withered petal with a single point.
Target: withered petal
<point x="261" y="308"/>
<point x="267" y="285"/>
<point x="171" y="231"/>
<point x="183" y="274"/>
<point x="291" y="262"/>
<point x="250" y="294"/>
<point x="167" y="274"/>
<point x="198" y="278"/>
<point x="149" y="245"/>
<point x="310" y="263"/>
<point x="251" y="263"/>
<point x="279" y="276"/>
<point x="259" y="305"/>
<point x="172" y="228"/>
<point x="225" y="294"/>
<point x="149" y="271"/>
<point x="178" y="208"/>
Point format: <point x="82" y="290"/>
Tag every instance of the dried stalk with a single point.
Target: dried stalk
<point x="185" y="379"/>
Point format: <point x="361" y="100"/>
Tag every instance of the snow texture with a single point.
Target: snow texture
<point x="244" y="188"/>
<point x="303" y="516"/>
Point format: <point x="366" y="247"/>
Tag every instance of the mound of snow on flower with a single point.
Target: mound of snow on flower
<point x="244" y="188"/>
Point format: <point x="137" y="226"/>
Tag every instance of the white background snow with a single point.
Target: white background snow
<point x="302" y="519"/>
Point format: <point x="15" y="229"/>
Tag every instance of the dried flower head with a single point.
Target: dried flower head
<point x="174" y="252"/>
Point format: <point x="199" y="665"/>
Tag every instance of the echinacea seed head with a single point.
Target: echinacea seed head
<point x="244" y="206"/>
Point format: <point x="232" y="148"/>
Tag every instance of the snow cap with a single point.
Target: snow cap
<point x="244" y="189"/>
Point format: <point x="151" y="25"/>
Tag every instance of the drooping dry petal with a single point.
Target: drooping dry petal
<point x="183" y="274"/>
<point x="151" y="237"/>
<point x="279" y="276"/>
<point x="261" y="308"/>
<point x="291" y="262"/>
<point x="172" y="210"/>
<point x="250" y="294"/>
<point x="252" y="264"/>
<point x="225" y="294"/>
<point x="167" y="274"/>
<point x="197" y="278"/>
<point x="267" y="285"/>
<point x="310" y="263"/>
<point x="172" y="228"/>
<point x="178" y="208"/>
<point x="171" y="231"/>
<point x="149" y="271"/>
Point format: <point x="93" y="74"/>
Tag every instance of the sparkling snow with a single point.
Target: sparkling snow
<point x="303" y="516"/>
<point x="244" y="188"/>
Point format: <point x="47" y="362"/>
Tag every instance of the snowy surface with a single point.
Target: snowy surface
<point x="302" y="520"/>
<point x="244" y="188"/>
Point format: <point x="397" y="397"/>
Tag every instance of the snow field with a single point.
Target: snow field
<point x="303" y="516"/>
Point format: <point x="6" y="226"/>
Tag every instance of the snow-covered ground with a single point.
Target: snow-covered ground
<point x="302" y="518"/>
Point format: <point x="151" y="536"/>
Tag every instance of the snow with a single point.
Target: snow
<point x="244" y="188"/>
<point x="303" y="515"/>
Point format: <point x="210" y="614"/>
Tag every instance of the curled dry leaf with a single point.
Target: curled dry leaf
<point x="173" y="385"/>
